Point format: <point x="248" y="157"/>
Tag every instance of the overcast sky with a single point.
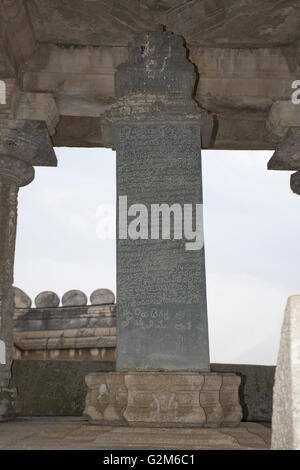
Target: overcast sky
<point x="252" y="233"/>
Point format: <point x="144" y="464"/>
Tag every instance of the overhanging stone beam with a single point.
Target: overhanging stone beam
<point x="238" y="86"/>
<point x="244" y="67"/>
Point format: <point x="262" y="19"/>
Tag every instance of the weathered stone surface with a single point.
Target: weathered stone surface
<point x="282" y="116"/>
<point x="295" y="182"/>
<point x="233" y="23"/>
<point x="229" y="399"/>
<point x="38" y="107"/>
<point x="75" y="332"/>
<point x="108" y="399"/>
<point x="287" y="154"/>
<point x="67" y="433"/>
<point x="88" y="316"/>
<point x="47" y="299"/>
<point x="256" y="390"/>
<point x="286" y="404"/>
<point x="210" y="399"/>
<point x="13" y="174"/>
<point x="7" y="403"/>
<point x="245" y="63"/>
<point x="163" y="399"/>
<point x="71" y="339"/>
<point x="29" y="139"/>
<point x="157" y="130"/>
<point x="102" y="296"/>
<point x="17" y="29"/>
<point x="74" y="298"/>
<point x="60" y="383"/>
<point x="65" y="391"/>
<point x="22" y="300"/>
<point x="232" y="86"/>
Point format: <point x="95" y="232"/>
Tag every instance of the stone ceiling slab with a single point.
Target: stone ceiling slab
<point x="230" y="23"/>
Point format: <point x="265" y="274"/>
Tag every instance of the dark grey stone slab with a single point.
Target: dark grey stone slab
<point x="53" y="388"/>
<point x="161" y="288"/>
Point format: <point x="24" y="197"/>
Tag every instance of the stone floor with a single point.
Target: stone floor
<point x="78" y="434"/>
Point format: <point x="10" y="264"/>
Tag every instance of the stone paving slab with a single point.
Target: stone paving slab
<point x="78" y="434"/>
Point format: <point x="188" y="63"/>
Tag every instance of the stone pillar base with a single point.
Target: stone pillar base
<point x="7" y="403"/>
<point x="182" y="399"/>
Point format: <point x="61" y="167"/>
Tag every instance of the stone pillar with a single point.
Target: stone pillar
<point x="286" y="400"/>
<point x="13" y="174"/>
<point x="157" y="129"/>
<point x="163" y="365"/>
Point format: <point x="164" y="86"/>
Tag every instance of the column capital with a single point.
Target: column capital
<point x="15" y="171"/>
<point x="26" y="140"/>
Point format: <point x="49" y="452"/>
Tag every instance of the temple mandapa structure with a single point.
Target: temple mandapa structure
<point x="157" y="81"/>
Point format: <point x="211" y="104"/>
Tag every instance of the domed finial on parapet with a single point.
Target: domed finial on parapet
<point x="102" y="297"/>
<point x="47" y="299"/>
<point x="74" y="298"/>
<point x="22" y="300"/>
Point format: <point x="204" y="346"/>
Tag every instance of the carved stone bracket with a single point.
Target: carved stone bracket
<point x="284" y="121"/>
<point x="27" y="140"/>
<point x="287" y="157"/>
<point x="15" y="171"/>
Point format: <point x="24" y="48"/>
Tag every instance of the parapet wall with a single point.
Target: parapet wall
<point x="74" y="330"/>
<point x="61" y="384"/>
<point x="55" y="335"/>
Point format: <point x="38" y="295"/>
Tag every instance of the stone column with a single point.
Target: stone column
<point x="157" y="129"/>
<point x="286" y="400"/>
<point x="13" y="174"/>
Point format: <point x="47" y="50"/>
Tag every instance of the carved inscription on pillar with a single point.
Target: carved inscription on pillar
<point x="161" y="286"/>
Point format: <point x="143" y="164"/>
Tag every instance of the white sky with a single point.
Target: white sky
<point x="252" y="233"/>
